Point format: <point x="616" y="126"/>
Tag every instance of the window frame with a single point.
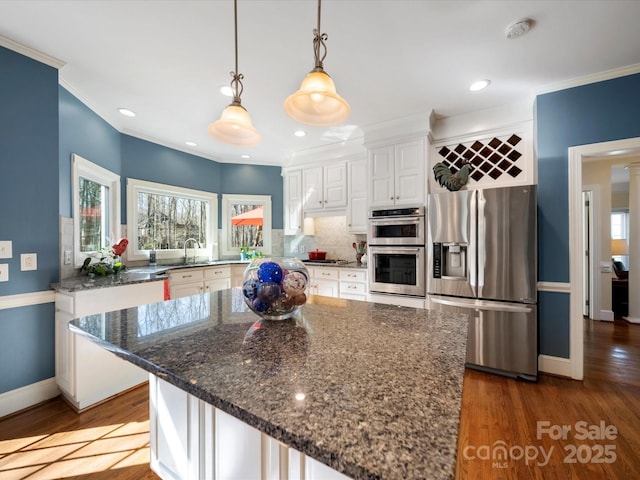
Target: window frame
<point x="225" y="234"/>
<point x="134" y="186"/>
<point x="81" y="167"/>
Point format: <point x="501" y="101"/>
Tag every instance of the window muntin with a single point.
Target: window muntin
<point x="246" y="222"/>
<point x="96" y="208"/>
<point x="162" y="217"/>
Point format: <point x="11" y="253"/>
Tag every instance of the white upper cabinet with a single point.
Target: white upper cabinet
<point x="293" y="202"/>
<point x="325" y="187"/>
<point x="397" y="174"/>
<point x="358" y="207"/>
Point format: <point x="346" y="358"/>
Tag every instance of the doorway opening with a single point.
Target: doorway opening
<point x="577" y="155"/>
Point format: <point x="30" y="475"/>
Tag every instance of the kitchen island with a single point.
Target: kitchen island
<point x="369" y="390"/>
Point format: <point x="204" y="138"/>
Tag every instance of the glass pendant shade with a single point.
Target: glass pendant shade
<point x="317" y="102"/>
<point x="235" y="127"/>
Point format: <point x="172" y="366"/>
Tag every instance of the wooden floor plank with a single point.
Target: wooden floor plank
<point x="111" y="441"/>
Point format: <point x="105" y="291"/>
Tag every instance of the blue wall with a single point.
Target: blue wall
<point x="29" y="199"/>
<point x="84" y="133"/>
<point x="594" y="113"/>
<point x="144" y="160"/>
<point x="256" y="180"/>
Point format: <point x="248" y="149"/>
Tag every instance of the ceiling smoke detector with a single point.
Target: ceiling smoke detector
<point x="519" y="28"/>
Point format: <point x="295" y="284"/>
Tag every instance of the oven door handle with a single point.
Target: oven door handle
<point x="376" y="249"/>
<point x="395" y="220"/>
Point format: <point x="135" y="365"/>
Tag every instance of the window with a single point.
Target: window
<point x="619" y="224"/>
<point x="620" y="231"/>
<point x="246" y="222"/>
<point x="96" y="207"/>
<point x="163" y="217"/>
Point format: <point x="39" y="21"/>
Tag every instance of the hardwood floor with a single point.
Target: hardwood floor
<point x="51" y="441"/>
<point x="111" y="441"/>
<point x="500" y="411"/>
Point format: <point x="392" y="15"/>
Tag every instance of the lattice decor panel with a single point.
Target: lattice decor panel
<point x="492" y="157"/>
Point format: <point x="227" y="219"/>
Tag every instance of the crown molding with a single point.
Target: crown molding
<point x="412" y="126"/>
<point x="347" y="149"/>
<point x="455" y="128"/>
<point x="587" y="79"/>
<point x="31" y="53"/>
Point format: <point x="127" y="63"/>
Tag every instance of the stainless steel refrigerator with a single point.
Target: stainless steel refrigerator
<point x="482" y="260"/>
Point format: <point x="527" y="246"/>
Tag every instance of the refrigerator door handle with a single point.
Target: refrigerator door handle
<point x="481" y="304"/>
<point x="482" y="244"/>
<point x="473" y="238"/>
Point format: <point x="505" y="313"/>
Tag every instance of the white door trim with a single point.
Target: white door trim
<point x="594" y="234"/>
<point x="575" y="157"/>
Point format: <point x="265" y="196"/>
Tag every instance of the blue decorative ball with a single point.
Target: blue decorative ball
<point x="250" y="289"/>
<point x="270" y="272"/>
<point x="269" y="291"/>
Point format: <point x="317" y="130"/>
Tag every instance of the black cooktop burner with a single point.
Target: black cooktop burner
<point x="327" y="260"/>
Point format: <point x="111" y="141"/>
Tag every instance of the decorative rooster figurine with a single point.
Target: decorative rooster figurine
<point x="452" y="181"/>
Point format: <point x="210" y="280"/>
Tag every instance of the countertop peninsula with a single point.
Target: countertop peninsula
<point x="371" y="390"/>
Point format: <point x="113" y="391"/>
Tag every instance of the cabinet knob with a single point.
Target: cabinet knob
<point x="391" y="197"/>
<point x="397" y="197"/>
<point x="320" y="202"/>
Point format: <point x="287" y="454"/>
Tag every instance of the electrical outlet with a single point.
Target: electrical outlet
<point x="301" y="249"/>
<point x="28" y="261"/>
<point x="5" y="249"/>
<point x="67" y="257"/>
<point x="4" y="272"/>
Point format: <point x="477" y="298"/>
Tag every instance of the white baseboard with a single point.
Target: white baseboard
<point x="606" y="315"/>
<point x="632" y="319"/>
<point x="554" y="365"/>
<point x="24" y="397"/>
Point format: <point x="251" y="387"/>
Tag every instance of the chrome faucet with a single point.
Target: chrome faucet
<point x="186" y="259"/>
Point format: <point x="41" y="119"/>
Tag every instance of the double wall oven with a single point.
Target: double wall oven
<point x="397" y="251"/>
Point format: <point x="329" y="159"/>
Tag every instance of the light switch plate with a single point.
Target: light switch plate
<point x="67" y="257"/>
<point x="4" y="272"/>
<point x="5" y="249"/>
<point x="28" y="261"/>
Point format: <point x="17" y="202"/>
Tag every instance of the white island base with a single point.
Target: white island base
<point x="191" y="439"/>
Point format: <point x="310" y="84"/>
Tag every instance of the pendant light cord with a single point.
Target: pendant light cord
<point x="318" y="42"/>
<point x="236" y="83"/>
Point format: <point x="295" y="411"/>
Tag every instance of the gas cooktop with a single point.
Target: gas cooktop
<point x="327" y="260"/>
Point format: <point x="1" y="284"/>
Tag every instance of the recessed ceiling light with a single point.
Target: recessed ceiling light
<point x="479" y="85"/>
<point x="191" y="144"/>
<point x="244" y="155"/>
<point x="299" y="133"/>
<point x="126" y="112"/>
<point x="518" y="29"/>
<point x="226" y="91"/>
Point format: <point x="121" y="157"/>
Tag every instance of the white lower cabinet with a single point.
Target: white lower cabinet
<point x="353" y="284"/>
<point x="86" y="373"/>
<point x="324" y="281"/>
<point x="340" y="282"/>
<point x="195" y="280"/>
<point x="191" y="439"/>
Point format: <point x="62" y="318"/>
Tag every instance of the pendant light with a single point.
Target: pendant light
<point x="234" y="125"/>
<point x="317" y="103"/>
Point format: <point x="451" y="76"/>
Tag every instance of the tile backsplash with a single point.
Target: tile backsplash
<point x="330" y="236"/>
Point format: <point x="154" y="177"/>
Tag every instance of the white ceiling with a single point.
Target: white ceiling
<point x="390" y="59"/>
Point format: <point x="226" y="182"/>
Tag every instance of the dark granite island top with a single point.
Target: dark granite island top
<point x="372" y="390"/>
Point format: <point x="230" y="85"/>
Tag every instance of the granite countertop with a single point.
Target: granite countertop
<point x="132" y="275"/>
<point x="381" y="384"/>
<point x="160" y="272"/>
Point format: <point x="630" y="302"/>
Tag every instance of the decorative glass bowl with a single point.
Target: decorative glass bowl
<point x="275" y="288"/>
